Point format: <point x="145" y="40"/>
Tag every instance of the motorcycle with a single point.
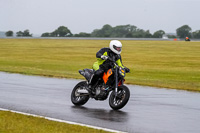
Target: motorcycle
<point x="112" y="81"/>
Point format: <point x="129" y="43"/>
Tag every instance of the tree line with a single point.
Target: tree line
<point x="24" y="33"/>
<point x="120" y="31"/>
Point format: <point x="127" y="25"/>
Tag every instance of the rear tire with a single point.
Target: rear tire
<point x="77" y="98"/>
<point x="122" y="98"/>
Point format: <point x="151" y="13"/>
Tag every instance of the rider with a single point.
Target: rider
<point x="103" y="64"/>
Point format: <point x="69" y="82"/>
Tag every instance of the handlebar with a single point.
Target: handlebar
<point x="110" y="59"/>
<point x="113" y="61"/>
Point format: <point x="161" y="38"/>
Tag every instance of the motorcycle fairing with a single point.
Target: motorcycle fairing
<point x="106" y="75"/>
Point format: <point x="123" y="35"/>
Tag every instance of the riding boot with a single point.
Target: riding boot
<point x="92" y="82"/>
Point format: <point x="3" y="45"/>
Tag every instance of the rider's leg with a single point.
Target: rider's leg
<point x="98" y="73"/>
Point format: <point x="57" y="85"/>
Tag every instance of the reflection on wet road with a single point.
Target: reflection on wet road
<point x="102" y="114"/>
<point x="149" y="110"/>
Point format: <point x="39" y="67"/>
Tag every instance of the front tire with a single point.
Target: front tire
<point x="77" y="98"/>
<point x="121" y="99"/>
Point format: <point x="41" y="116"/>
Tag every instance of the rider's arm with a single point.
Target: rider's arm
<point x="119" y="61"/>
<point x="101" y="52"/>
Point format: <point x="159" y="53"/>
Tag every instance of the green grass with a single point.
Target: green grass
<point x="17" y="123"/>
<point x="167" y="64"/>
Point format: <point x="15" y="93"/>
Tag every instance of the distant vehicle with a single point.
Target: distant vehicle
<point x="165" y="37"/>
<point x="112" y="81"/>
<point x="187" y="39"/>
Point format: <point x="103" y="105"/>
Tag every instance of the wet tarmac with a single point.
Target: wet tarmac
<point x="149" y="110"/>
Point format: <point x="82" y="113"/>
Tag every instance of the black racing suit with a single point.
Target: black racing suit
<point x="101" y="66"/>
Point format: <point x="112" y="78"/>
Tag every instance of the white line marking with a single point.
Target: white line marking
<point x="58" y="120"/>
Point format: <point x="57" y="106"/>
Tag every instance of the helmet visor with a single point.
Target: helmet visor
<point x="117" y="48"/>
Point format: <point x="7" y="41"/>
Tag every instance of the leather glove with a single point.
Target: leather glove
<point x="127" y="70"/>
<point x="103" y="57"/>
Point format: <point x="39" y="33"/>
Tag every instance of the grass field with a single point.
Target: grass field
<point x="167" y="64"/>
<point x="17" y="123"/>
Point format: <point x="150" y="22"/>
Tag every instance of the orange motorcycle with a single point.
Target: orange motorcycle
<point x="112" y="81"/>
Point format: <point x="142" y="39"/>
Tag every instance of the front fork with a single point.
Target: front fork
<point x="116" y="82"/>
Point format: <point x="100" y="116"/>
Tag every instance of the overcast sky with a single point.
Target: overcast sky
<point x="41" y="16"/>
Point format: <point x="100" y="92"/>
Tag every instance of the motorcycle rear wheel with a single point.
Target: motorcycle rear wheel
<point x="119" y="101"/>
<point x="77" y="98"/>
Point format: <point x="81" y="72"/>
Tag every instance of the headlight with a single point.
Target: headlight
<point x="122" y="72"/>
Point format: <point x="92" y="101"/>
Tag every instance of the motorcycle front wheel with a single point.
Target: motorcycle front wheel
<point x="119" y="101"/>
<point x="78" y="98"/>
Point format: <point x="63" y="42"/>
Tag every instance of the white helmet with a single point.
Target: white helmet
<point x="116" y="46"/>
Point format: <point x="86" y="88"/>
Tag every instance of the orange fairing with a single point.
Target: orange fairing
<point x="107" y="75"/>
